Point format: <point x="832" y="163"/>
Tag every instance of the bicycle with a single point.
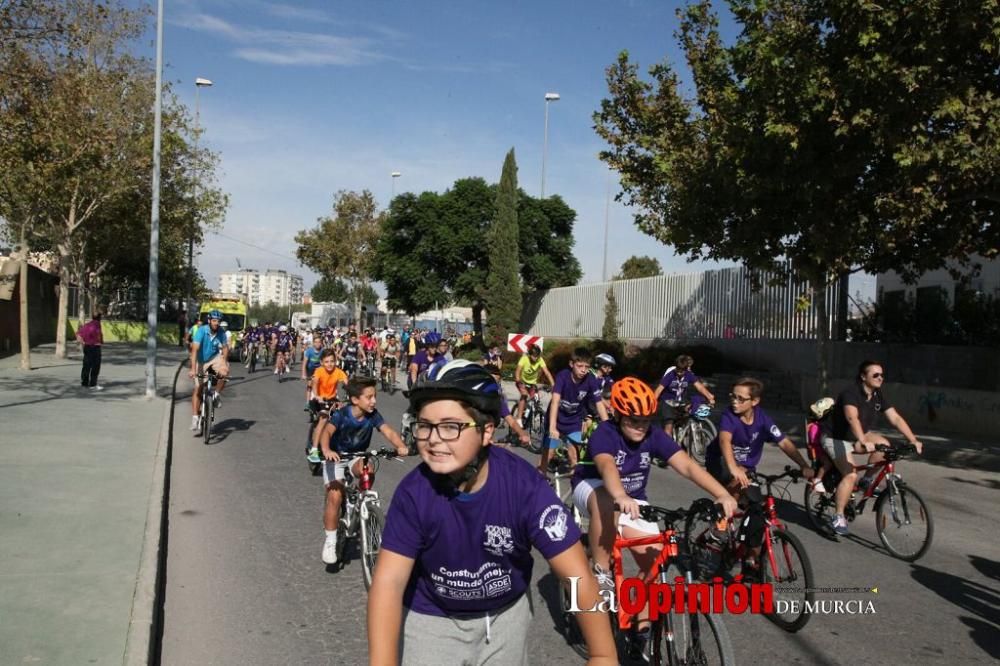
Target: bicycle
<point x="252" y="360"/>
<point x="207" y="391"/>
<point x="361" y="511"/>
<point x="389" y="375"/>
<point x="677" y="639"/>
<point x="560" y="476"/>
<point x="782" y="559"/>
<point x="898" y="507"/>
<point x="693" y="429"/>
<point x="533" y="419"/>
<point x="327" y="407"/>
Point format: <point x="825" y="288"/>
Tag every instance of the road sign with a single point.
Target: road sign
<point x="519" y="342"/>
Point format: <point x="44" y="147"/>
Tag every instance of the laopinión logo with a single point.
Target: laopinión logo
<point x="679" y="597"/>
<point x="857" y="606"/>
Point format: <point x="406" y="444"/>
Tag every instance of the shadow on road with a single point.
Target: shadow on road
<point x="548" y="590"/>
<point x="223" y="429"/>
<point x="981" y="601"/>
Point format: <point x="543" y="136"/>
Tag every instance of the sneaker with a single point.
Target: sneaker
<point x="605" y="579"/>
<point x="275" y="371"/>
<point x="330" y="552"/>
<point x="839" y="525"/>
<point x="194" y="423"/>
<point x="96" y="387"/>
<point x="216" y="400"/>
<point x="313" y="456"/>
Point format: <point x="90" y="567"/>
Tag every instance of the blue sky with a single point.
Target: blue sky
<point x="314" y="97"/>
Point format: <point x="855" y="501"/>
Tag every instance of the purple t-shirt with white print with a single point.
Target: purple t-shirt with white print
<point x="573" y="397"/>
<point x="748" y="439"/>
<point x="631" y="459"/>
<point x="675" y="385"/>
<point x="472" y="552"/>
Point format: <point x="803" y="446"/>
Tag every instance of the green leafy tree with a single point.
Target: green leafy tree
<point x="609" y="331"/>
<point x="343" y="245"/>
<point x="503" y="288"/>
<point x="639" y="267"/>
<point x="545" y="237"/>
<point x="329" y="290"/>
<point x="829" y="137"/>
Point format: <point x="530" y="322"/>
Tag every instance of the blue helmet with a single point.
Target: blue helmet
<point x="215" y="314"/>
<point x="432" y="338"/>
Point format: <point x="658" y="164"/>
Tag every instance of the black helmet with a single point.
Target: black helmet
<point x="460" y="380"/>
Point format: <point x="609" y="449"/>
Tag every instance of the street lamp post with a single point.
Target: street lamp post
<point x="199" y="83"/>
<point x="607" y="207"/>
<point x="152" y="297"/>
<point x="549" y="97"/>
<point x="395" y="175"/>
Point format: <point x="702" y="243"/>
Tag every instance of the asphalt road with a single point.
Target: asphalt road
<point x="245" y="583"/>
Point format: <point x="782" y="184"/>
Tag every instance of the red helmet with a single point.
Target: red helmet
<point x="633" y="397"/>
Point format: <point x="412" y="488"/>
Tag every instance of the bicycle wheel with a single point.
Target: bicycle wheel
<point x="681" y="638"/>
<point x="371" y="540"/>
<point x="206" y="415"/>
<point x="253" y="361"/>
<point x="699" y="436"/>
<point x="706" y="562"/>
<point x="903" y="522"/>
<point x="534" y="423"/>
<point x="820" y="508"/>
<point x="243" y="353"/>
<point x="791" y="576"/>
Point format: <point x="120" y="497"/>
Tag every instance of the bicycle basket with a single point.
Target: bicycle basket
<point x="703" y="411"/>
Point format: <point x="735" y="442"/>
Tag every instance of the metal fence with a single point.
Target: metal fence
<point x="726" y="303"/>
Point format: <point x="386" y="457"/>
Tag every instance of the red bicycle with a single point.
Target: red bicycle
<point x="677" y="639"/>
<point x="902" y="519"/>
<point x="757" y="540"/>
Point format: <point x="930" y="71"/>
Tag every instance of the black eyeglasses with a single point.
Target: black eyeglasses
<point x="448" y="431"/>
<point x="739" y="398"/>
<point x="877" y="375"/>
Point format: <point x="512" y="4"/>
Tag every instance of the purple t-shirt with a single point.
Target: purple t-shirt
<point x="573" y="398"/>
<point x="748" y="440"/>
<point x="675" y="385"/>
<point x="504" y="410"/>
<point x="632" y="460"/>
<point x="472" y="552"/>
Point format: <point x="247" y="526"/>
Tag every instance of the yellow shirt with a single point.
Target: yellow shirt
<point x="530" y="371"/>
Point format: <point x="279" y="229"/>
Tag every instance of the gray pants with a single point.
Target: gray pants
<point x="494" y="640"/>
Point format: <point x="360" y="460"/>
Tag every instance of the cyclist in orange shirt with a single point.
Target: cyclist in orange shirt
<point x="325" y="381"/>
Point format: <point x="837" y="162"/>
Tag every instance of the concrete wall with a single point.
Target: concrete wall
<point x="43" y="306"/>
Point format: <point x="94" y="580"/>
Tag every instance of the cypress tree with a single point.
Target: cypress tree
<point x="609" y="331"/>
<point x="503" y="283"/>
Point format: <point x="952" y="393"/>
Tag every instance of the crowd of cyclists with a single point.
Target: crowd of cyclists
<point x="455" y="562"/>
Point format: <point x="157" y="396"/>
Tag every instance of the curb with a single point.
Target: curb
<point x="142" y="643"/>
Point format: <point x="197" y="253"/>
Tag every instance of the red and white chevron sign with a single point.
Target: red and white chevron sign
<point x="519" y="342"/>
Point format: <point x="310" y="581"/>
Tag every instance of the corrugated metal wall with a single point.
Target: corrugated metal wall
<point x="727" y="303"/>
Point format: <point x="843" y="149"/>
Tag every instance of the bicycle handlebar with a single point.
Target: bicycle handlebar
<point x="769" y="479"/>
<point x="658" y="514"/>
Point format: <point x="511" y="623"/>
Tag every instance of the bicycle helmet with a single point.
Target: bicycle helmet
<point x="282" y="328"/>
<point x="821" y="407"/>
<point x="215" y="314"/>
<point x="703" y="411"/>
<point x="604" y="359"/>
<point x="432" y="339"/>
<point x="466" y="382"/>
<point x="632" y="397"/>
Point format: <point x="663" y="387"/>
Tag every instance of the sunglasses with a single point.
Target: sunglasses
<point x="877" y="375"/>
<point x="739" y="398"/>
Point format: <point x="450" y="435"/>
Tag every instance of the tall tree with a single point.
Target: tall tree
<point x="829" y="137"/>
<point x="342" y="245"/>
<point x="639" y="267"/>
<point x="545" y="236"/>
<point x="503" y="285"/>
<point x="329" y="290"/>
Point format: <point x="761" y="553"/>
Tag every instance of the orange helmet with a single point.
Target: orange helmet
<point x="633" y="397"/>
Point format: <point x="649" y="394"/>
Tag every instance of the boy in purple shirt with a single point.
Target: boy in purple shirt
<point x="675" y="387"/>
<point x="620" y="453"/>
<point x="575" y="388"/>
<point x="453" y="574"/>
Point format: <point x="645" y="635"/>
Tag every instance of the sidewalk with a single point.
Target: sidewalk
<point x="940" y="448"/>
<point x="80" y="472"/>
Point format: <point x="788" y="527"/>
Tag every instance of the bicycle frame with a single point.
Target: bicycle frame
<point x="885" y="467"/>
<point x="667" y="538"/>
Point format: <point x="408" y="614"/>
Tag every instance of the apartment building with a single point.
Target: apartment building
<point x="271" y="286"/>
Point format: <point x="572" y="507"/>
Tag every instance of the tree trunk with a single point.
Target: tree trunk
<point x="63" y="301"/>
<point x="822" y="333"/>
<point x="477" y="320"/>
<point x="82" y="296"/>
<point x="25" y="363"/>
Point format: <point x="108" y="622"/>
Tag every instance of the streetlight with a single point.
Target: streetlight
<point x="395" y="175"/>
<point x="152" y="297"/>
<point x="199" y="83"/>
<point x="607" y="209"/>
<point x="549" y="97"/>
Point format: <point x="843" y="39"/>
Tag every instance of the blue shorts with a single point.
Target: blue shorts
<point x="575" y="437"/>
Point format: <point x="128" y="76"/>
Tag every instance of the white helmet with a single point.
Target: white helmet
<point x="282" y="328"/>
